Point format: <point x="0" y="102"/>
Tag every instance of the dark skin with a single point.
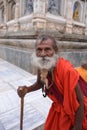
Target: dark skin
<point x="45" y="48"/>
<point x="80" y="111"/>
<point x="23" y="90"/>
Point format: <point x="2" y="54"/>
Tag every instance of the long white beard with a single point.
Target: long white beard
<point x="44" y="63"/>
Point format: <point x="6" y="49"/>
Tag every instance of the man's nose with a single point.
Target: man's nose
<point x="43" y="53"/>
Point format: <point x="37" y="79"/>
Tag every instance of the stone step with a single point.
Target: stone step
<point x="34" y="112"/>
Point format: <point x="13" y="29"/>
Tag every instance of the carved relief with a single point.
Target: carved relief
<point x="39" y="8"/>
<point x="76" y="13"/>
<point x="55" y="26"/>
<point x="11" y="10"/>
<point x="1" y="13"/>
<point x="54" y="6"/>
<point x="42" y="7"/>
<point x="28" y="6"/>
<point x="78" y="29"/>
<point x="8" y="11"/>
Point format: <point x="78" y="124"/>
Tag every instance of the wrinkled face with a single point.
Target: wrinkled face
<point x="45" y="57"/>
<point x="45" y="48"/>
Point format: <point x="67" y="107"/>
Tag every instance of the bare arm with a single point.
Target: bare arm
<point x="36" y="85"/>
<point x="80" y="111"/>
<point x="22" y="90"/>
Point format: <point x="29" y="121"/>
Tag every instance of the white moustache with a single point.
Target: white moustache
<point x="44" y="62"/>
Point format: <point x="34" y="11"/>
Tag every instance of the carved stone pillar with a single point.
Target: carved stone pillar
<point x="5" y="15"/>
<point x="16" y="23"/>
<point x="86" y="20"/>
<point x="69" y="17"/>
<point x="0" y="16"/>
<point x="39" y="21"/>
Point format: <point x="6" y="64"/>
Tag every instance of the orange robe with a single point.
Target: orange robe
<point x="82" y="72"/>
<point x="62" y="116"/>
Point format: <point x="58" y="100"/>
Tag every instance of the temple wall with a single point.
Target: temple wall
<point x="19" y="51"/>
<point x="59" y="15"/>
<point x="21" y="21"/>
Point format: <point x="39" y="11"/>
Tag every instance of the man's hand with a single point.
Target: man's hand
<point x="22" y="90"/>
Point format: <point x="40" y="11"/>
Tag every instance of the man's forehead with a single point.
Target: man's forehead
<point x="45" y="42"/>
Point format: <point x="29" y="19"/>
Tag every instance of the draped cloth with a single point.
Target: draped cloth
<point x="82" y="72"/>
<point x="61" y="115"/>
<point x="83" y="85"/>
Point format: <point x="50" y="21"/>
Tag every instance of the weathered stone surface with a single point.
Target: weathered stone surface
<point x="19" y="51"/>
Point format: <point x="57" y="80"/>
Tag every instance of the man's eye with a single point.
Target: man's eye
<point x="47" y="49"/>
<point x="39" y="50"/>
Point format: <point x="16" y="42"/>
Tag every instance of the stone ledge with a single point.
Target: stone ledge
<point x="29" y="44"/>
<point x="32" y="34"/>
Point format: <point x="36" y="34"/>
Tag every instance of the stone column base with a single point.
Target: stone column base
<point x="68" y="28"/>
<point x="39" y="24"/>
<point x="86" y="31"/>
<point x="16" y="26"/>
<point x="5" y="27"/>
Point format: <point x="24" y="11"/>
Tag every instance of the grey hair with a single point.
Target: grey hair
<point x="46" y="37"/>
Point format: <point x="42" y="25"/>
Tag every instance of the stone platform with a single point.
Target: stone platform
<point x="35" y="106"/>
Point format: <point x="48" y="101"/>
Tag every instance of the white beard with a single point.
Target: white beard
<point x="44" y="63"/>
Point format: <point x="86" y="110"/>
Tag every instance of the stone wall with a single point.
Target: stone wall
<point x="16" y="15"/>
<point x="18" y="50"/>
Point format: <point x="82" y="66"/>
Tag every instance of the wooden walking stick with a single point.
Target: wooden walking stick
<point x="21" y="113"/>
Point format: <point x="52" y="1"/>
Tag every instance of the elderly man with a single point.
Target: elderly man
<point x="59" y="81"/>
